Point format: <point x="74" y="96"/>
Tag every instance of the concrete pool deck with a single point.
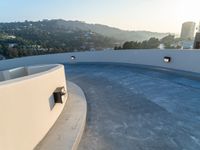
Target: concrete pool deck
<point x="141" y="109"/>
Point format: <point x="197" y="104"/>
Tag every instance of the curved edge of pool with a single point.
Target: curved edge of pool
<point x="69" y="128"/>
<point x="29" y="107"/>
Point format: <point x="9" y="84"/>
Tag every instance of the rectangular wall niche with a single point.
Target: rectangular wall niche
<point x="58" y="94"/>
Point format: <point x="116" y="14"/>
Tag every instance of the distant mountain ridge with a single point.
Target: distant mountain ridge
<point x="27" y="38"/>
<point x="108" y="31"/>
<point x="71" y="34"/>
<point x="111" y="32"/>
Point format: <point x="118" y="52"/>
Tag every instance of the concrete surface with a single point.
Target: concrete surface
<point x="131" y="108"/>
<point x="68" y="129"/>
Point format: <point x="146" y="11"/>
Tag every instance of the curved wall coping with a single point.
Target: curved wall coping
<point x="25" y="73"/>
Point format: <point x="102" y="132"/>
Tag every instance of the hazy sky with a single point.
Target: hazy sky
<point x="153" y="15"/>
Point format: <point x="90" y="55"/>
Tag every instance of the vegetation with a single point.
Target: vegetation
<point x="45" y="37"/>
<point x="28" y="38"/>
<point x="169" y="42"/>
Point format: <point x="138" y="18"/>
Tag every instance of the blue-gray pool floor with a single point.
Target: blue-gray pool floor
<point x="131" y="108"/>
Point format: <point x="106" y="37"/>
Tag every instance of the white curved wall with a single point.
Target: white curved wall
<point x="186" y="60"/>
<point x="26" y="106"/>
<point x="25" y="112"/>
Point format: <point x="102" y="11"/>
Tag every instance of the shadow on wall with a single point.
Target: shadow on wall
<point x="51" y="102"/>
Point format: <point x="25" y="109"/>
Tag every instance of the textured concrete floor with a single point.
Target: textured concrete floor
<point x="130" y="108"/>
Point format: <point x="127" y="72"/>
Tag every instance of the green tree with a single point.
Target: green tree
<point x="168" y="41"/>
<point x="153" y="43"/>
<point x="12" y="53"/>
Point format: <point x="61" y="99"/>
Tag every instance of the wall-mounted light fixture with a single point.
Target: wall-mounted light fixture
<point x="73" y="57"/>
<point x="58" y="94"/>
<point x="167" y="59"/>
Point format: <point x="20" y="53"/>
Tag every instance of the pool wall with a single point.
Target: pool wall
<point x="27" y="109"/>
<point x="185" y="60"/>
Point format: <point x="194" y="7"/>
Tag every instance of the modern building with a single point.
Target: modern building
<point x="186" y="44"/>
<point x="197" y="41"/>
<point x="187" y="31"/>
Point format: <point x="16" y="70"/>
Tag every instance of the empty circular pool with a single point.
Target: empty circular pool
<point x="136" y="108"/>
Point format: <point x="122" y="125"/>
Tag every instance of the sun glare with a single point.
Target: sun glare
<point x="188" y="10"/>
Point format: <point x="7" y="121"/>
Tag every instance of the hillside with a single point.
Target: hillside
<point x="104" y="30"/>
<point x="49" y="36"/>
<point x="120" y="35"/>
<point x="53" y="36"/>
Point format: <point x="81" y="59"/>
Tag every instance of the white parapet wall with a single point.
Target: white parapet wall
<point x="186" y="60"/>
<point x="28" y="109"/>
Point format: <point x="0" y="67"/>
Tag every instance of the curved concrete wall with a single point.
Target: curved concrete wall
<point x="27" y="109"/>
<point x="186" y="60"/>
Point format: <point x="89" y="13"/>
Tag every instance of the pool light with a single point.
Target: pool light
<point x="167" y="59"/>
<point x="73" y="57"/>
